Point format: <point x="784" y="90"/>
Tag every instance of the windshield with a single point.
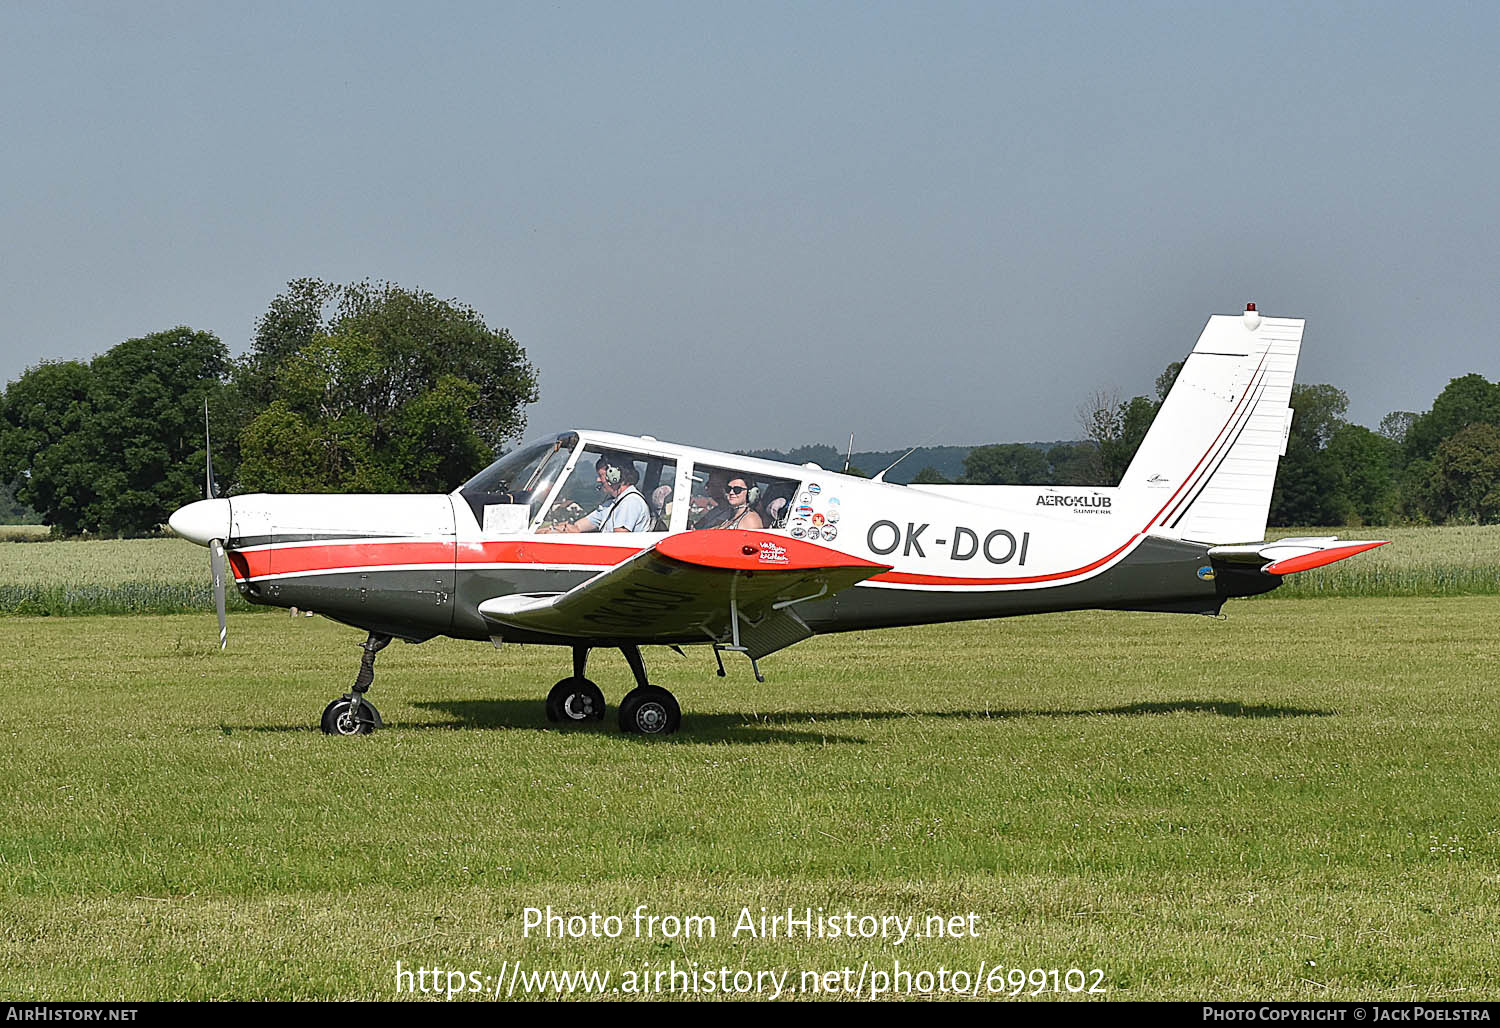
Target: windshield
<point x="523" y="476"/>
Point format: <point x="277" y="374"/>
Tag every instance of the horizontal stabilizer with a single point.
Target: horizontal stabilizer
<point x="1288" y="556"/>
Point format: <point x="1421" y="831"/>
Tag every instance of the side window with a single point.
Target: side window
<point x="730" y="498"/>
<point x="611" y="490"/>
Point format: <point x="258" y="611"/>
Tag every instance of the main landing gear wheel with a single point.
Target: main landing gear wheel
<point x="575" y="699"/>
<point x="339" y="717"/>
<point x="650" y="710"/>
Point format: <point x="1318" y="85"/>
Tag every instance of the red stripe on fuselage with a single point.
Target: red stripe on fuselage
<point x="909" y="578"/>
<point x="335" y="557"/>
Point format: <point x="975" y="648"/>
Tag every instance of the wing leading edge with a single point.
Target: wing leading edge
<point x="717" y="586"/>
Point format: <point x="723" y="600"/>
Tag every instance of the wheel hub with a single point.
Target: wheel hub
<point x="651" y="717"/>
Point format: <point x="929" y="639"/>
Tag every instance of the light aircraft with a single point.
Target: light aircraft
<point x="751" y="556"/>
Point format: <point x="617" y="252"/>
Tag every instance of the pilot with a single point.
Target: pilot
<point x="740" y="494"/>
<point x="624" y="508"/>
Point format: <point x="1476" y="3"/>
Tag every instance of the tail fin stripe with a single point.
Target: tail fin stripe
<point x="1181" y="510"/>
<point x="1192" y="478"/>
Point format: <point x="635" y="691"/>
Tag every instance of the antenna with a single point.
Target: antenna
<point x="210" y="489"/>
<point x="849" y="459"/>
<point x="927" y="442"/>
<point x="881" y="477"/>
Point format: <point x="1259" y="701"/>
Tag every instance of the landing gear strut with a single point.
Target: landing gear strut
<point x="351" y="713"/>
<point x="647" y="709"/>
<point x="576" y="699"/>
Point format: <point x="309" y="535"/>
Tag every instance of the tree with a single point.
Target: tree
<point x="929" y="475"/>
<point x="113" y="446"/>
<point x="44" y="429"/>
<point x="1307" y="482"/>
<point x="1465" y="477"/>
<point x="1006" y="464"/>
<point x="1470" y="400"/>
<point x="1071" y="463"/>
<point x="821" y="454"/>
<point x="1116" y="430"/>
<point x="1365" y="468"/>
<point x="372" y="388"/>
<point x="1167" y="379"/>
<point x="1395" y="425"/>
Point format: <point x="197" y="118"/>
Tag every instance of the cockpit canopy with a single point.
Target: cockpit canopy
<point x="543" y="483"/>
<point x="525" y="475"/>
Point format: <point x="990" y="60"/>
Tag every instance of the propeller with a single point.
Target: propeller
<point x="215" y="546"/>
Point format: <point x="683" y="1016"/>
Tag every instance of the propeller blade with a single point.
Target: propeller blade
<point x="216" y="558"/>
<point x="210" y="490"/>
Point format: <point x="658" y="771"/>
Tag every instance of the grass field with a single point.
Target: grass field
<point x="1298" y="803"/>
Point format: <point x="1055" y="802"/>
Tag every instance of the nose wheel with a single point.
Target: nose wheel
<point x="341" y="717"/>
<point x="352" y="713"/>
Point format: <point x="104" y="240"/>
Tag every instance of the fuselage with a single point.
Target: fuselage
<point x="417" y="566"/>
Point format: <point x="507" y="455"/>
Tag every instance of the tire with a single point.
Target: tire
<point x="336" y="719"/>
<point x="575" y="700"/>
<point x="650" y="711"/>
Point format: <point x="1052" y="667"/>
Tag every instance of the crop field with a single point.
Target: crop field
<point x="1454" y="560"/>
<point x="1294" y="803"/>
<point x="107" y="576"/>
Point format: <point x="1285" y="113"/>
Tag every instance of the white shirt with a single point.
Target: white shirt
<point x="629" y="511"/>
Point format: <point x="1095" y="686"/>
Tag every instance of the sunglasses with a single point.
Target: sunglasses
<point x="734" y="490"/>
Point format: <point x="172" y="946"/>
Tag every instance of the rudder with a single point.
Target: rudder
<point x="1207" y="467"/>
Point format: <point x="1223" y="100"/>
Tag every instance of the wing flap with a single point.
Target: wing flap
<point x="684" y="587"/>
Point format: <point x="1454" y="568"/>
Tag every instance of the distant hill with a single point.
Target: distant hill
<point x="947" y="461"/>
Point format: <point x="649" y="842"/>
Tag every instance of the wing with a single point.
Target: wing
<point x="694" y="586"/>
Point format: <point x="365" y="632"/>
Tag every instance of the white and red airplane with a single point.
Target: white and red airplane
<point x="750" y="556"/>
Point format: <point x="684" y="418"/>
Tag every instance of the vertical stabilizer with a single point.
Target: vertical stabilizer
<point x="1207" y="466"/>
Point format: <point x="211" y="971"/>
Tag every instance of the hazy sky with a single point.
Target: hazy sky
<point x="758" y="225"/>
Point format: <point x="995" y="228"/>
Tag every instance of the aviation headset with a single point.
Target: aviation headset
<point x="613" y="473"/>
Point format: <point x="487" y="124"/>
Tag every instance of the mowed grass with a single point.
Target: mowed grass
<point x="1296" y="803"/>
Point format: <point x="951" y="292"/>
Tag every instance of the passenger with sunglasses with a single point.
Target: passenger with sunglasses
<point x="738" y="493"/>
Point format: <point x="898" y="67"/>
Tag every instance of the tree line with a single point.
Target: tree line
<point x="345" y="388"/>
